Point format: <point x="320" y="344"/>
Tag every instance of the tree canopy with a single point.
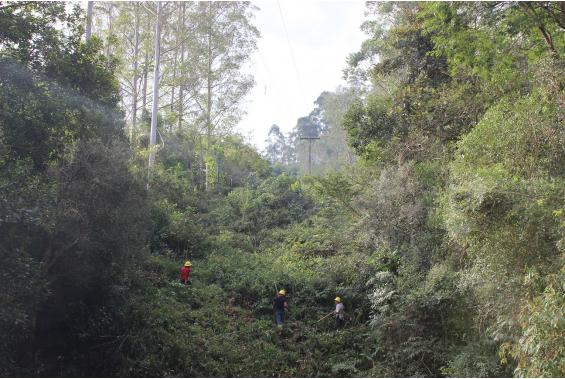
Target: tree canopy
<point x="430" y="197"/>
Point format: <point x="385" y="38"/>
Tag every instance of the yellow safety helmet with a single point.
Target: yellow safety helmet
<point x="282" y="292"/>
<point x="338" y="299"/>
<point x="187" y="264"/>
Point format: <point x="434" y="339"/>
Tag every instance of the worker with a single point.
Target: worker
<point x="280" y="305"/>
<point x="339" y="313"/>
<point x="185" y="273"/>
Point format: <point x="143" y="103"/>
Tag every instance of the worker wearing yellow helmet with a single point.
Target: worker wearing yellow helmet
<point x="280" y="304"/>
<point x="339" y="312"/>
<point x="185" y="273"/>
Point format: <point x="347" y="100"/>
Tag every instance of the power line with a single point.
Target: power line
<point x="272" y="81"/>
<point x="292" y="54"/>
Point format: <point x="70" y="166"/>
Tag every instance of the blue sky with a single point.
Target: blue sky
<point x="321" y="35"/>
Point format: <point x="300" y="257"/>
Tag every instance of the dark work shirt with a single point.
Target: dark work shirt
<point x="278" y="303"/>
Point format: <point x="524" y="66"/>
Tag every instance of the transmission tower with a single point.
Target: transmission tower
<point x="310" y="139"/>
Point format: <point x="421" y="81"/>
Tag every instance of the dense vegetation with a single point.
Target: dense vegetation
<point x="435" y="208"/>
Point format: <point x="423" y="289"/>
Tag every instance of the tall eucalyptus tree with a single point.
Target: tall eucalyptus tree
<point x="224" y="40"/>
<point x="156" y="78"/>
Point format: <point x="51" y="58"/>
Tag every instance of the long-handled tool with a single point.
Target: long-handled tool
<point x="329" y="314"/>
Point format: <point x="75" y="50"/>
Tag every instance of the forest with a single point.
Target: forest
<point x="433" y="202"/>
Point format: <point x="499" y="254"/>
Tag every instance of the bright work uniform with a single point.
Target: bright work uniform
<point x="185" y="274"/>
<point x="339" y="315"/>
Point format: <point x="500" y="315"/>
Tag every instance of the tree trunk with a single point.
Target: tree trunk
<point x="144" y="97"/>
<point x="531" y="12"/>
<point x="180" y="99"/>
<point x="548" y="40"/>
<point x="110" y="19"/>
<point x="89" y="19"/>
<point x="156" y="73"/>
<point x="209" y="92"/>
<point x="175" y="59"/>
<point x="135" y="75"/>
<point x="209" y="75"/>
<point x="173" y="83"/>
<point x="145" y="72"/>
